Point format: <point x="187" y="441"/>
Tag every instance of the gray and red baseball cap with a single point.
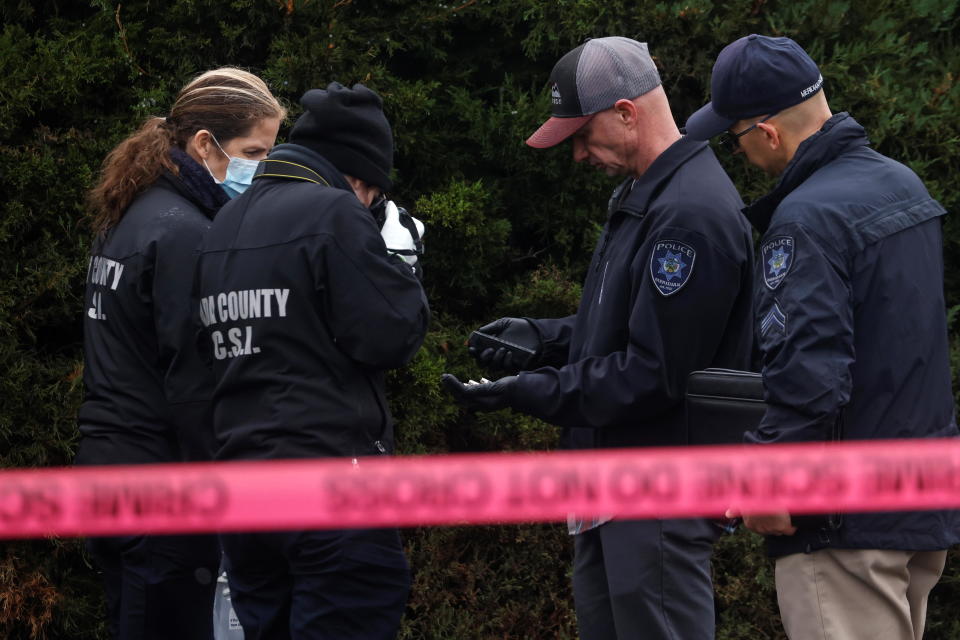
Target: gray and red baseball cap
<point x="591" y="79"/>
<point x="755" y="76"/>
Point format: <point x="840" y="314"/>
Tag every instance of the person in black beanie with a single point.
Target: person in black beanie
<point x="298" y="267"/>
<point x="348" y="128"/>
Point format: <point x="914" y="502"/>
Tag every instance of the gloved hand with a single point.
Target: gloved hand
<point x="402" y="233"/>
<point x="483" y="396"/>
<point x="519" y="350"/>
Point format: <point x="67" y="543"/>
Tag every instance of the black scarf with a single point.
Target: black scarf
<point x="195" y="183"/>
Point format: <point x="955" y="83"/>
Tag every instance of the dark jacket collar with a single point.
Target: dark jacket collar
<point x="644" y="189"/>
<point x="194" y="183"/>
<point x="312" y="160"/>
<point x="840" y="134"/>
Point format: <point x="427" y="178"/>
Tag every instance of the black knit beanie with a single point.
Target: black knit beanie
<point x="348" y="128"/>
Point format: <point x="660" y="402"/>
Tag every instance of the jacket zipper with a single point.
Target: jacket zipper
<point x="378" y="443"/>
<point x="603" y="280"/>
<point x="603" y="248"/>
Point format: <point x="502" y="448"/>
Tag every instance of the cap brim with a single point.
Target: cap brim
<point x="556" y="130"/>
<point x="707" y="123"/>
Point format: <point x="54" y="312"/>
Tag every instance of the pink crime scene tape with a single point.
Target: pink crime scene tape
<point x="480" y="488"/>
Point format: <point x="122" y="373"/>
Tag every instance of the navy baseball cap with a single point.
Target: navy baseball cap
<point x="754" y="76"/>
<point x="591" y="79"/>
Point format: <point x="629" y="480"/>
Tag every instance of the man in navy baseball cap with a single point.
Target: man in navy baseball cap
<point x="847" y="236"/>
<point x="753" y="76"/>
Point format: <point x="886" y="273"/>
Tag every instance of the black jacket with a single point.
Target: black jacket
<point x="147" y="394"/>
<point x="668" y="292"/>
<point x="304" y="311"/>
<point x="851" y="319"/>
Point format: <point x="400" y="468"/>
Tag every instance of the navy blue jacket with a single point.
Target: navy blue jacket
<point x="668" y="292"/>
<point x="147" y="393"/>
<point x="851" y="320"/>
<point x="303" y="311"/>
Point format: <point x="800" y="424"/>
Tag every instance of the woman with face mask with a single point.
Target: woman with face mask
<point x="147" y="394"/>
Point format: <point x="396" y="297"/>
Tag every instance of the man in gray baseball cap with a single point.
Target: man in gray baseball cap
<point x="668" y="292"/>
<point x="591" y="79"/>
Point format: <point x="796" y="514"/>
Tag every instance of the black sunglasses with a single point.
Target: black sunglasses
<point x="731" y="141"/>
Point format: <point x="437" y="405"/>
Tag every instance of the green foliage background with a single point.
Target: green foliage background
<point x="510" y="229"/>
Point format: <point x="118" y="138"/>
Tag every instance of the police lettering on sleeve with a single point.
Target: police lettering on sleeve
<point x="777" y="256"/>
<point x="671" y="265"/>
<point x="805" y="335"/>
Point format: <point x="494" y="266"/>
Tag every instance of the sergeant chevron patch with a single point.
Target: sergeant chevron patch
<point x="775" y="319"/>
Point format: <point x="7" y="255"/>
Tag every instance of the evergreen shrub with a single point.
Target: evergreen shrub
<point x="510" y="229"/>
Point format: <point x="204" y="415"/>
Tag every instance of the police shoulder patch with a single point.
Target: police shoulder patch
<point x="777" y="255"/>
<point x="671" y="265"/>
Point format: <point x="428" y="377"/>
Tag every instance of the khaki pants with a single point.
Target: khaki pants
<point x="853" y="594"/>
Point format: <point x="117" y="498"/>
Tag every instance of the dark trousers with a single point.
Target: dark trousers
<point x="158" y="587"/>
<point x="317" y="584"/>
<point x="646" y="579"/>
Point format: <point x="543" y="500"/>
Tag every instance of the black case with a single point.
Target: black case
<point x="722" y="404"/>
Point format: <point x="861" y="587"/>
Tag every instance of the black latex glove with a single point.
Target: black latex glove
<point x="487" y="396"/>
<point x="515" y="331"/>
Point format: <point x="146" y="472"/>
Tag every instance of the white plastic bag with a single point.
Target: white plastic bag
<point x="226" y="626"/>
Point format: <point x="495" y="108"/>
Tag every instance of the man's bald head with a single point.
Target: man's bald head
<point x="770" y="142"/>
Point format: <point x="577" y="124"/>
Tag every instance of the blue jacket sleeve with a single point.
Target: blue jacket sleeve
<point x="668" y="336"/>
<point x="804" y="314"/>
<point x="376" y="306"/>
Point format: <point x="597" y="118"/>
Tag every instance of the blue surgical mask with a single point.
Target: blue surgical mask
<point x="239" y="173"/>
